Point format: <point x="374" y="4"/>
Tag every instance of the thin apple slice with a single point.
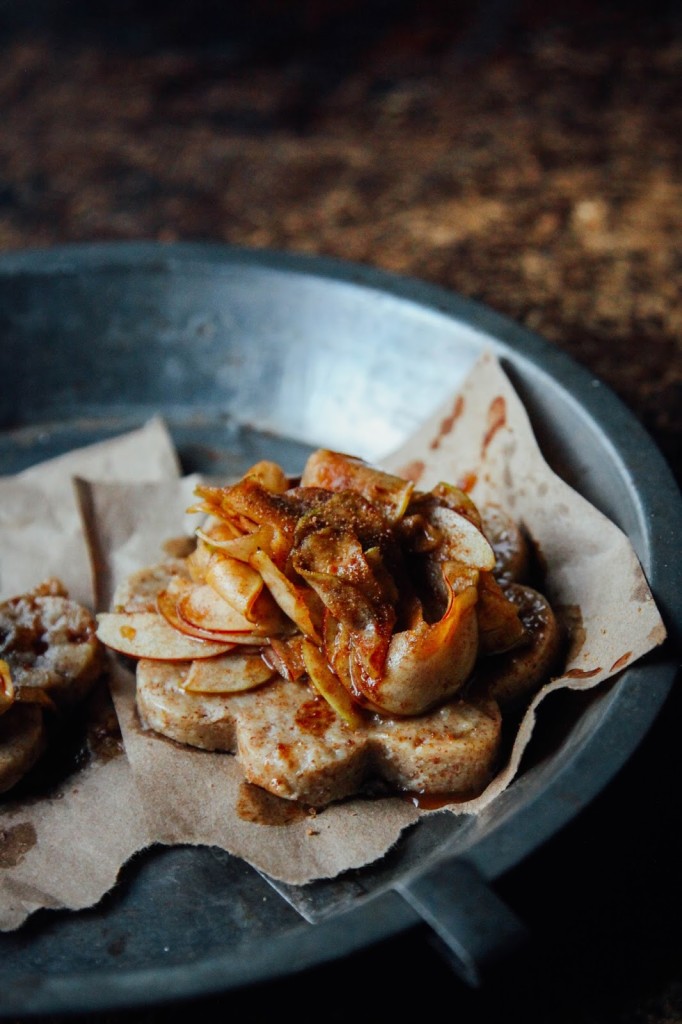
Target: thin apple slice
<point x="236" y="582"/>
<point x="209" y="548"/>
<point x="285" y="657"/>
<point x="243" y="588"/>
<point x="461" y="540"/>
<point x="329" y="686"/>
<point x="293" y="600"/>
<point x="241" y="546"/>
<point x="199" y="560"/>
<point x="270" y="475"/>
<point x="149" y="635"/>
<point x="202" y="606"/>
<point x="228" y="673"/>
<point x="250" y="506"/>
<point x="167" y="606"/>
<point x="337" y="472"/>
<point x="430" y="663"/>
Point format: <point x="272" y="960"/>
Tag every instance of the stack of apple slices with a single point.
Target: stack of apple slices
<point x="379" y="596"/>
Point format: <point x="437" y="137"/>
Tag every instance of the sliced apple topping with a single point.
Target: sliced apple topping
<point x="249" y="505"/>
<point x="228" y="673"/>
<point x="270" y="475"/>
<point x="429" y="663"/>
<point x="148" y="635"/>
<point x="238" y="584"/>
<point x="286" y="657"/>
<point x="202" y="606"/>
<point x="329" y="686"/>
<point x="167" y="604"/>
<point x="383" y="598"/>
<point x="336" y="472"/>
<point x="296" y="602"/>
<point x="460" y="540"/>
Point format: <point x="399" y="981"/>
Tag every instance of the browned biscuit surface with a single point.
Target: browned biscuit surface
<point x="290" y="742"/>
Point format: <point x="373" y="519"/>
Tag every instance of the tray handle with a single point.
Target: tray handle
<point x="475" y="930"/>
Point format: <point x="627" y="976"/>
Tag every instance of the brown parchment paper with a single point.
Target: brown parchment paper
<point x="65" y="849"/>
<point x="41" y="531"/>
<point x="483" y="434"/>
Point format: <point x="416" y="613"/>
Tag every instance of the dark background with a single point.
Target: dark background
<point x="524" y="154"/>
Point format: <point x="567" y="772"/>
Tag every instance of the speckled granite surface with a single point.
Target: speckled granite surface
<point x="531" y="161"/>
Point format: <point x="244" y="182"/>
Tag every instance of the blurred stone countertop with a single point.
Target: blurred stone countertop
<point x="531" y="161"/>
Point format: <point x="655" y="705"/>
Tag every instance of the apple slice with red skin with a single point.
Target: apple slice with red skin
<point x="228" y="673"/>
<point x="168" y="603"/>
<point x="293" y="600"/>
<point x="149" y="635"/>
<point x="201" y="606"/>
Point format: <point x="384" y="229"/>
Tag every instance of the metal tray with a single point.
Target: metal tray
<point x="252" y="354"/>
